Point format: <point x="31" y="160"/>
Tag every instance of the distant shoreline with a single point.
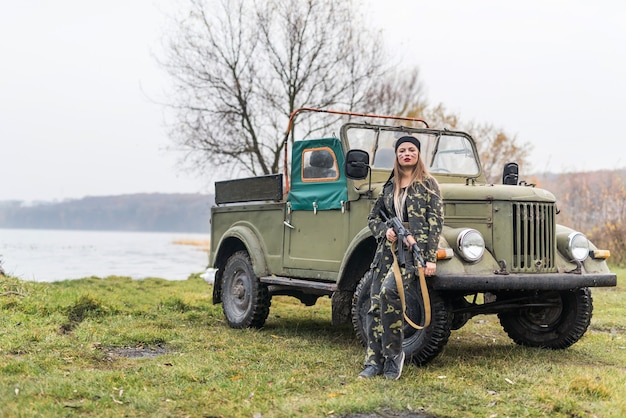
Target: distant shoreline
<point x="127" y="213"/>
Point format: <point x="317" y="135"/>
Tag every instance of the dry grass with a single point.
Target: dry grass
<point x="204" y="245"/>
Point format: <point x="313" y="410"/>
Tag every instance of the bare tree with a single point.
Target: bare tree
<point x="496" y="148"/>
<point x="398" y="92"/>
<point x="240" y="68"/>
<point x="595" y="204"/>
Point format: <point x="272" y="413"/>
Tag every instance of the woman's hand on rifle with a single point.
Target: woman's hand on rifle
<point x="430" y="269"/>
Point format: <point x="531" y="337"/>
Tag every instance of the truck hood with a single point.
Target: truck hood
<point x="495" y="192"/>
<point x="485" y="192"/>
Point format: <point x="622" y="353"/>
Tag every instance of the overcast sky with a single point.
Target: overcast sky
<point x="78" y="82"/>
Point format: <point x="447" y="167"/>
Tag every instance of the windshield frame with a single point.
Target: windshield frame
<point x="452" y="160"/>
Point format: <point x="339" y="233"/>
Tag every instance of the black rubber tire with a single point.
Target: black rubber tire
<point x="245" y="300"/>
<point x="554" y="328"/>
<point x="420" y="346"/>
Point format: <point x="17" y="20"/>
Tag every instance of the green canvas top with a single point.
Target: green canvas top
<point x="318" y="180"/>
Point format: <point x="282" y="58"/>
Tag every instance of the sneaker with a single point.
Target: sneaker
<point x="370" y="371"/>
<point x="393" y="367"/>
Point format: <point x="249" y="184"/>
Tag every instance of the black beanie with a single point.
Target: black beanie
<point x="410" y="139"/>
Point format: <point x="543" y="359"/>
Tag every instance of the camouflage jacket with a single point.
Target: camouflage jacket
<point x="425" y="215"/>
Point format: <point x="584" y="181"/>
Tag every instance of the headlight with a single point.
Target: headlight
<point x="471" y="245"/>
<point x="578" y="246"/>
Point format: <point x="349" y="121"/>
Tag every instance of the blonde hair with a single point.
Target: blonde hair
<point x="418" y="173"/>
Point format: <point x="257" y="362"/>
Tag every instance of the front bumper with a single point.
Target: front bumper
<point x="502" y="282"/>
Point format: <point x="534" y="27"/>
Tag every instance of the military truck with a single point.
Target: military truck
<point x="303" y="233"/>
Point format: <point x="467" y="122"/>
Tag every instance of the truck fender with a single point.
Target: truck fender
<point x="590" y="265"/>
<point x="347" y="263"/>
<point x="250" y="240"/>
<point x="456" y="266"/>
<point x="357" y="260"/>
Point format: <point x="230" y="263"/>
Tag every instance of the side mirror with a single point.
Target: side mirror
<point x="510" y="174"/>
<point x="357" y="164"/>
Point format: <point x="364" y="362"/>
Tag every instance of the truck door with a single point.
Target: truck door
<point x="316" y="225"/>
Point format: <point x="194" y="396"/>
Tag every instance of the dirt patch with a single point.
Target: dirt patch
<point x="133" y="352"/>
<point x="391" y="414"/>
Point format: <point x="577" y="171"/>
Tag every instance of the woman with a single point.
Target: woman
<point x="413" y="196"/>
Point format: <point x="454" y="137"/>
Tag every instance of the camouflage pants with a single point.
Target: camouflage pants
<point x="385" y="321"/>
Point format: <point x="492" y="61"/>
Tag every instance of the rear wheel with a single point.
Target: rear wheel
<point x="245" y="300"/>
<point x="557" y="326"/>
<point x="421" y="346"/>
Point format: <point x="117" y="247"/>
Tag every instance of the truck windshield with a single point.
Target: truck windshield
<point x="445" y="152"/>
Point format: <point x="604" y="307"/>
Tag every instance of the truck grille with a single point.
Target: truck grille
<point x="534" y="243"/>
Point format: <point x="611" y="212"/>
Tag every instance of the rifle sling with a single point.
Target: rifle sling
<point x="400" y="286"/>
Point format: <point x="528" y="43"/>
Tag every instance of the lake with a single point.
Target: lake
<point x="52" y="255"/>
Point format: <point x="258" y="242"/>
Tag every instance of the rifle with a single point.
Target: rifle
<point x="402" y="233"/>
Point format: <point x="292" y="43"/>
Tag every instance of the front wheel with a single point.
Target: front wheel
<point x="245" y="300"/>
<point x="419" y="345"/>
<point x="560" y="322"/>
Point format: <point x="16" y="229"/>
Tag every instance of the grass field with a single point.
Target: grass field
<point x="117" y="347"/>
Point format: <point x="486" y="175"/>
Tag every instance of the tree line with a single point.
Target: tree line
<point x="593" y="203"/>
<point x="136" y="212"/>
